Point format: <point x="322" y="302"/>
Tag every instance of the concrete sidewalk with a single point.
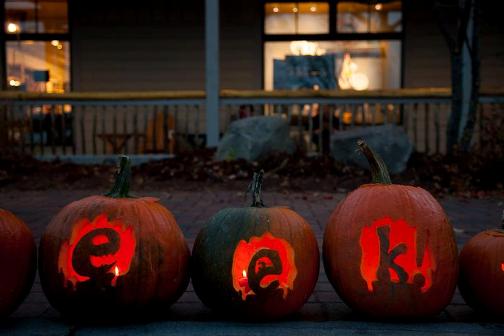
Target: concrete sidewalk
<point x="323" y="314"/>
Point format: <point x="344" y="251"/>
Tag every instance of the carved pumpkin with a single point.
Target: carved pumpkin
<point x="255" y="262"/>
<point x="481" y="280"/>
<point x="389" y="250"/>
<point x="110" y="255"/>
<point x="18" y="262"/>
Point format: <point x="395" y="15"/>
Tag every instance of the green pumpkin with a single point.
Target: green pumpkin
<point x="255" y="262"/>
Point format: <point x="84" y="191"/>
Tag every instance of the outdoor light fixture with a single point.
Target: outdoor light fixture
<point x="14" y="83"/>
<point x="275" y="9"/>
<point x="295" y="10"/>
<point x="313" y="8"/>
<point x="378" y="6"/>
<point x="12" y="28"/>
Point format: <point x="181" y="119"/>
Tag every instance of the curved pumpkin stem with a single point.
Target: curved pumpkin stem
<point x="122" y="181"/>
<point x="256" y="188"/>
<point x="379" y="171"/>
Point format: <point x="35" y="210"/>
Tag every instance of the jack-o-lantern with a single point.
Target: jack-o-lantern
<point x="106" y="256"/>
<point x="389" y="250"/>
<point x="255" y="262"/>
<point x="18" y="262"/>
<point x="481" y="280"/>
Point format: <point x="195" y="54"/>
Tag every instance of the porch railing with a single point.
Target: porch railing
<point x="164" y="123"/>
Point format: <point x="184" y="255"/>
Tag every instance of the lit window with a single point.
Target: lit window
<point x="369" y="17"/>
<point x="296" y="18"/>
<point x="36" y="16"/>
<point x="38" y="66"/>
<point x="343" y="65"/>
<point x="38" y="62"/>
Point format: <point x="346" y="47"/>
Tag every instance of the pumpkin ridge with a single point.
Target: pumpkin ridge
<point x="286" y="222"/>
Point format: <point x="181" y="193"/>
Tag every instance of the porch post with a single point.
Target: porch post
<point x="212" y="71"/>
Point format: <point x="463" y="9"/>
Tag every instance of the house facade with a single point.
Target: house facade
<point x="65" y="45"/>
<point x="350" y="49"/>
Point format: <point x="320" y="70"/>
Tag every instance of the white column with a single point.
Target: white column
<point x="212" y="71"/>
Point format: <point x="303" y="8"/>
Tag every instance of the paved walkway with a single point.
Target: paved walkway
<point x="323" y="314"/>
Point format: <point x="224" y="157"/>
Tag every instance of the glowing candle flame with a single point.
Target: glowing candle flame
<point x="116" y="274"/>
<point x="244" y="273"/>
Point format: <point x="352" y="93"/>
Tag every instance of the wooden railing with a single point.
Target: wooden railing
<point x="163" y="123"/>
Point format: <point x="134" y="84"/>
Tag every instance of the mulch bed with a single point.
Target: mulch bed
<point x="468" y="175"/>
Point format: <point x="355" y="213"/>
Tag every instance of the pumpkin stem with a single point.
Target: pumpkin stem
<point x="122" y="181"/>
<point x="379" y="171"/>
<point x="256" y="188"/>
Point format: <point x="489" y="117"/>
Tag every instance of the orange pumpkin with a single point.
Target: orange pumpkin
<point x="18" y="262"/>
<point x="481" y="280"/>
<point x="389" y="250"/>
<point x="113" y="255"/>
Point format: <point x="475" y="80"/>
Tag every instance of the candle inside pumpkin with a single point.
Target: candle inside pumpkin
<point x="116" y="274"/>
<point x="243" y="281"/>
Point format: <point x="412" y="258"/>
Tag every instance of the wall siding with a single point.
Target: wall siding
<point x="426" y="54"/>
<point x="160" y="46"/>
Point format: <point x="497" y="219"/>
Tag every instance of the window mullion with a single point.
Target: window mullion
<point x="333" y="11"/>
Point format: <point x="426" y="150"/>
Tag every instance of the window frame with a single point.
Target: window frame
<point x="333" y="34"/>
<point x="37" y="37"/>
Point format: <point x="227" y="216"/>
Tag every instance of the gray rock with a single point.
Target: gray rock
<point x="255" y="138"/>
<point x="389" y="141"/>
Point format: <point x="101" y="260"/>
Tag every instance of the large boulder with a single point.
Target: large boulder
<point x="389" y="141"/>
<point x="255" y="138"/>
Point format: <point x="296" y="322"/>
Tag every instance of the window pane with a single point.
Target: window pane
<point x="367" y="17"/>
<point x="357" y="65"/>
<point x="38" y="66"/>
<point x="20" y="17"/>
<point x="296" y="18"/>
<point x="53" y="16"/>
<point x="30" y="16"/>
